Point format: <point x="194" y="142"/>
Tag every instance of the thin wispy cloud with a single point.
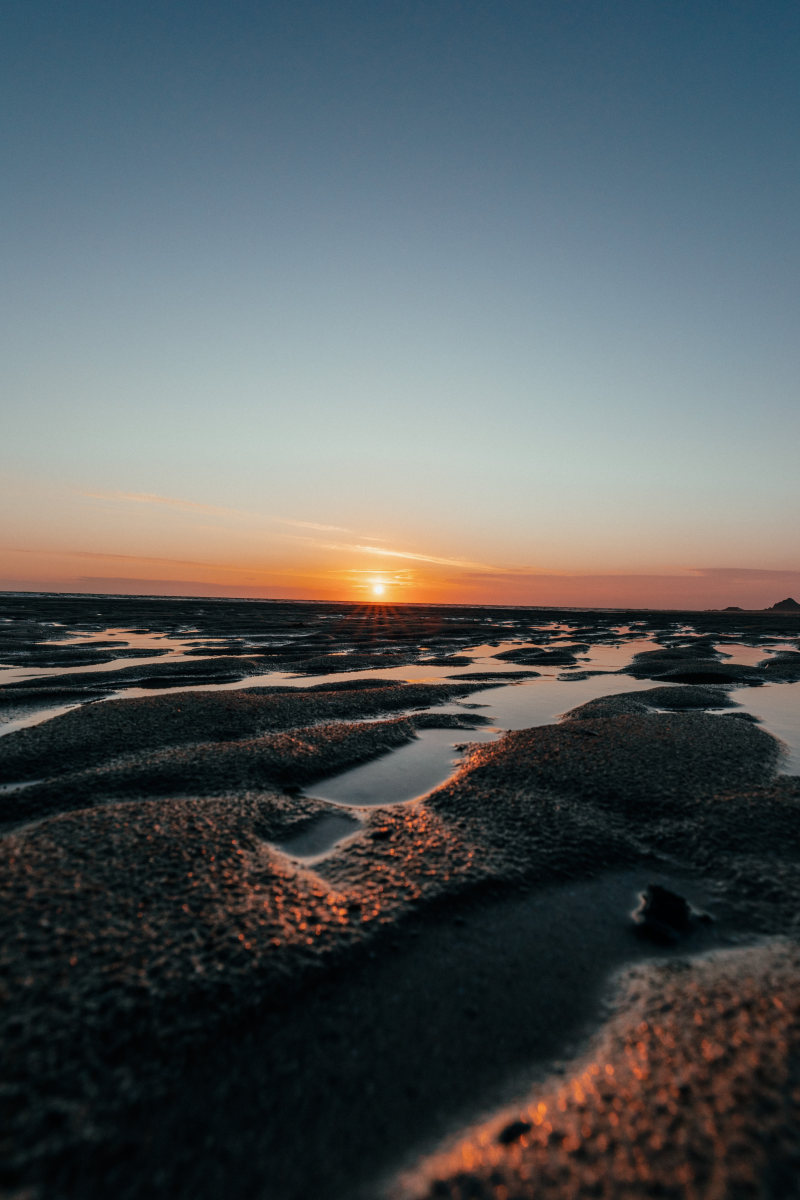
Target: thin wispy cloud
<point x="752" y="573"/>
<point x="518" y="574"/>
<point x="424" y="558"/>
<point x="183" y="587"/>
<point x="148" y="559"/>
<point x="193" y="506"/>
<point x="165" y="502"/>
<point x="470" y="567"/>
<point x="387" y="552"/>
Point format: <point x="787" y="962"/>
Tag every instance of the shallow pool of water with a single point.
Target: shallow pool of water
<point x="423" y="764"/>
<point x="418" y="767"/>
<point x="165" y="647"/>
<point x="401" y="774"/>
<point x="317" y="835"/>
<point x="777" y="707"/>
<point x="430" y="760"/>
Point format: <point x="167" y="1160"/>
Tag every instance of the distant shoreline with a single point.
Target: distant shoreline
<point x="394" y="604"/>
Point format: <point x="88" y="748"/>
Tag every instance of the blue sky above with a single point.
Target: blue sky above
<point x="509" y="282"/>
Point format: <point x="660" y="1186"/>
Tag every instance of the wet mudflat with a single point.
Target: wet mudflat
<point x="236" y="961"/>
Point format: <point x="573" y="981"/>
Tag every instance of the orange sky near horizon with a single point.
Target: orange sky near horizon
<point x="173" y="546"/>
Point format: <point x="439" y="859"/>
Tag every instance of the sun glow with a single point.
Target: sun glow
<point x="378" y="589"/>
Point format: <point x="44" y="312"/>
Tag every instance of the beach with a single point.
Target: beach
<point x="231" y="965"/>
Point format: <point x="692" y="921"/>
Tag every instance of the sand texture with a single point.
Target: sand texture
<point x="205" y="993"/>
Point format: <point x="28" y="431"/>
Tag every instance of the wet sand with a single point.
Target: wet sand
<point x="216" y="983"/>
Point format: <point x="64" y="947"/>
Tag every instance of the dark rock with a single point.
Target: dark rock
<point x="787" y="605"/>
<point x="663" y="915"/>
<point x="513" y="1132"/>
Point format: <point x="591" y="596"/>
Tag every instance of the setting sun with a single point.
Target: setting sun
<point x="378" y="589"/>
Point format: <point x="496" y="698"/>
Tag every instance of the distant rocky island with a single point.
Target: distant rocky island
<point x="787" y="605"/>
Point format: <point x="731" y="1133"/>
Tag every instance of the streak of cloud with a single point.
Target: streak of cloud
<point x="148" y="559"/>
<point x="387" y="552"/>
<point x="136" y="585"/>
<point x="217" y="510"/>
<point x="746" y="573"/>
<point x="425" y="558"/>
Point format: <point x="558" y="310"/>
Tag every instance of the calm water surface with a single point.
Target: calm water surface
<point x="414" y="769"/>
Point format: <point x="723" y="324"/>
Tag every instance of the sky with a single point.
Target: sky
<point x="468" y="300"/>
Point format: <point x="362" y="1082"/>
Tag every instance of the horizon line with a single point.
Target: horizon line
<point x="384" y="604"/>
